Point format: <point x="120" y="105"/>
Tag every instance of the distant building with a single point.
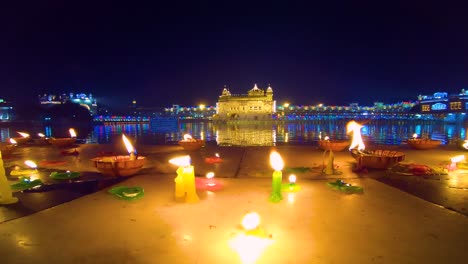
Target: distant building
<point x="84" y="100"/>
<point x="442" y="103"/>
<point x="257" y="104"/>
<point x="6" y="111"/>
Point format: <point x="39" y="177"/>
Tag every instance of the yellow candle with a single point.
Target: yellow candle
<point x="5" y="191"/>
<point x="185" y="180"/>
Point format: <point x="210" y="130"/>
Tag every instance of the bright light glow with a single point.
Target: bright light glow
<point x="128" y="145"/>
<point x="251" y="221"/>
<point x="72" y="132"/>
<point x="286" y="104"/>
<point x="31" y="164"/>
<point x="41" y="135"/>
<point x="188" y="137"/>
<point x="249" y="248"/>
<point x="458" y="158"/>
<point x="276" y="161"/>
<point x="217" y="155"/>
<point x="210" y="175"/>
<point x="202" y="135"/>
<point x="465" y="145"/>
<point x="25" y="135"/>
<point x="326" y="138"/>
<point x="12" y="141"/>
<point x="182" y="161"/>
<point x="291" y="198"/>
<point x="201" y="106"/>
<point x="292" y="178"/>
<point x="355" y="128"/>
<point x="415" y="136"/>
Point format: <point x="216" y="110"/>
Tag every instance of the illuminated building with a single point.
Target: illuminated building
<point x="441" y="103"/>
<point x="6" y="111"/>
<point x="257" y="104"/>
<point x="84" y="100"/>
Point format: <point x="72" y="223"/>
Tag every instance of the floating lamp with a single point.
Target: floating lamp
<point x="24" y="172"/>
<point x="191" y="144"/>
<point x="422" y="143"/>
<point x="185" y="180"/>
<point x="6" y="196"/>
<point x="277" y="163"/>
<point x="292" y="186"/>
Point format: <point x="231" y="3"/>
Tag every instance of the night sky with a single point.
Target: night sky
<point x="162" y="54"/>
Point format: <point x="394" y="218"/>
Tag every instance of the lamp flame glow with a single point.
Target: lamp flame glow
<point x="292" y="178"/>
<point x="355" y="128"/>
<point x="128" y="145"/>
<point x="12" y="141"/>
<point x="326" y="138"/>
<point x="41" y="135"/>
<point x="72" y="132"/>
<point x="415" y="136"/>
<point x="188" y="137"/>
<point x="465" y="145"/>
<point x="251" y="221"/>
<point x="182" y="161"/>
<point x="276" y="161"/>
<point x="217" y="155"/>
<point x="210" y="175"/>
<point x="25" y="135"/>
<point x="458" y="158"/>
<point x="30" y="164"/>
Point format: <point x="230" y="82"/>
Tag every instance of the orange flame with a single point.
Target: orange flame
<point x="41" y="135"/>
<point x="182" y="161"/>
<point x="188" y="137"/>
<point x="276" y="161"/>
<point x="72" y="132"/>
<point x="355" y="128"/>
<point x="25" y="135"/>
<point x="292" y="178"/>
<point x="465" y="145"/>
<point x="458" y="158"/>
<point x="128" y="145"/>
<point x="12" y="141"/>
<point x="30" y="164"/>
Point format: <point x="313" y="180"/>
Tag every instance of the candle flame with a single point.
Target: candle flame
<point x="188" y="137"/>
<point x="41" y="135"/>
<point x="210" y="175"/>
<point x="182" y="161"/>
<point x="355" y="128"/>
<point x="72" y="132"/>
<point x="251" y="221"/>
<point x="128" y="145"/>
<point x="30" y="164"/>
<point x="415" y="136"/>
<point x="292" y="178"/>
<point x="458" y="158"/>
<point x="276" y="161"/>
<point x="12" y="141"/>
<point x="25" y="135"/>
<point x="217" y="155"/>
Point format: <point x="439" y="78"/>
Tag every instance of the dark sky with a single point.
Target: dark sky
<point x="161" y="53"/>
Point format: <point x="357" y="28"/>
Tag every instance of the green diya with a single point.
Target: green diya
<point x="25" y="183"/>
<point x="345" y="187"/>
<point x="127" y="193"/>
<point x="64" y="175"/>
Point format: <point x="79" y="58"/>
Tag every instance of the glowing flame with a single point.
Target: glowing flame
<point x="31" y="164"/>
<point x="355" y="128"/>
<point x="182" y="161"/>
<point x="251" y="221"/>
<point x="25" y="135"/>
<point x="188" y="137"/>
<point x="292" y="178"/>
<point x="415" y="136"/>
<point x="465" y="145"/>
<point x="41" y="135"/>
<point x="276" y="161"/>
<point x="217" y="155"/>
<point x="326" y="138"/>
<point x="128" y="145"/>
<point x="249" y="248"/>
<point x="72" y="132"/>
<point x="210" y="175"/>
<point x="458" y="158"/>
<point x="12" y="141"/>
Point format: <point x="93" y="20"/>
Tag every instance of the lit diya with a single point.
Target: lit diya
<point x="214" y="159"/>
<point x="41" y="140"/>
<point x="209" y="183"/>
<point x="17" y="172"/>
<point x="191" y="144"/>
<point x="26" y="183"/>
<point x="423" y="143"/>
<point x="64" y="142"/>
<point x="375" y="159"/>
<point x="120" y="165"/>
<point x="23" y="139"/>
<point x="333" y="145"/>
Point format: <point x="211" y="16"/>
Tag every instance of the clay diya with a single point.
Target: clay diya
<point x="191" y="144"/>
<point x="377" y="159"/>
<point x="64" y="142"/>
<point x="422" y="144"/>
<point x="23" y="139"/>
<point x="120" y="165"/>
<point x="333" y="145"/>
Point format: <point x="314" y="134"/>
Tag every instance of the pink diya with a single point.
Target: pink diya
<point x="214" y="159"/>
<point x="209" y="183"/>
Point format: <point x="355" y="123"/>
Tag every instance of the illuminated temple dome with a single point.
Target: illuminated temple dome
<point x="257" y="104"/>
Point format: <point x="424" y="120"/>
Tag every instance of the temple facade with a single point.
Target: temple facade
<point x="257" y="104"/>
